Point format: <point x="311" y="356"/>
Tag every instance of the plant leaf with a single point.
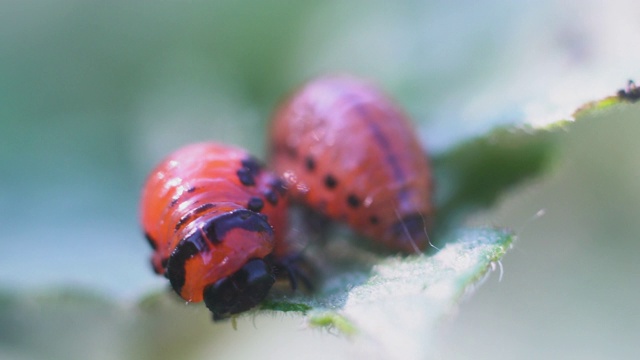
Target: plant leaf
<point x="475" y="173"/>
<point x="405" y="298"/>
<point x="387" y="306"/>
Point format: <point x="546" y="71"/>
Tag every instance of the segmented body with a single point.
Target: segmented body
<point x="345" y="150"/>
<point x="208" y="209"/>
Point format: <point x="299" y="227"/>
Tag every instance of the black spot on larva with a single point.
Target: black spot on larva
<point x="353" y="201"/>
<point x="272" y="197"/>
<point x="252" y="164"/>
<point x="278" y="185"/>
<point x="255" y="204"/>
<point x="150" y="240"/>
<point x="191" y="189"/>
<point x="330" y="182"/>
<point x="246" y="177"/>
<point x="251" y="167"/>
<point x="374" y="220"/>
<point x="191" y="214"/>
<point x="309" y="163"/>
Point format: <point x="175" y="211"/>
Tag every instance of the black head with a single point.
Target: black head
<point x="240" y="291"/>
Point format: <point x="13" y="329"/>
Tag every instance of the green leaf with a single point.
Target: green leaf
<point x="386" y="306"/>
<point x="404" y="299"/>
<point x="474" y="174"/>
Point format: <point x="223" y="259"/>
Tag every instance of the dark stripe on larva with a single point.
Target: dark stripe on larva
<point x="383" y="142"/>
<point x="175" y="199"/>
<point x="189" y="215"/>
<point x="176" y="271"/>
<point x="242" y="219"/>
<point x="214" y="232"/>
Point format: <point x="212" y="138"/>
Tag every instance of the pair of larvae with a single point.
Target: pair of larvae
<point x="216" y="218"/>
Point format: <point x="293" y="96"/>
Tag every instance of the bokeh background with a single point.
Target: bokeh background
<point x="93" y="94"/>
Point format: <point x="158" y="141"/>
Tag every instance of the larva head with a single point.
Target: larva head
<point x="211" y="262"/>
<point x="240" y="291"/>
<point x="408" y="234"/>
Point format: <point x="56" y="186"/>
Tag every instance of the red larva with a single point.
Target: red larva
<point x="215" y="219"/>
<point x="345" y="150"/>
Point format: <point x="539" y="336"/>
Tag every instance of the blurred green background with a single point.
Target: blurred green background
<point x="93" y="94"/>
